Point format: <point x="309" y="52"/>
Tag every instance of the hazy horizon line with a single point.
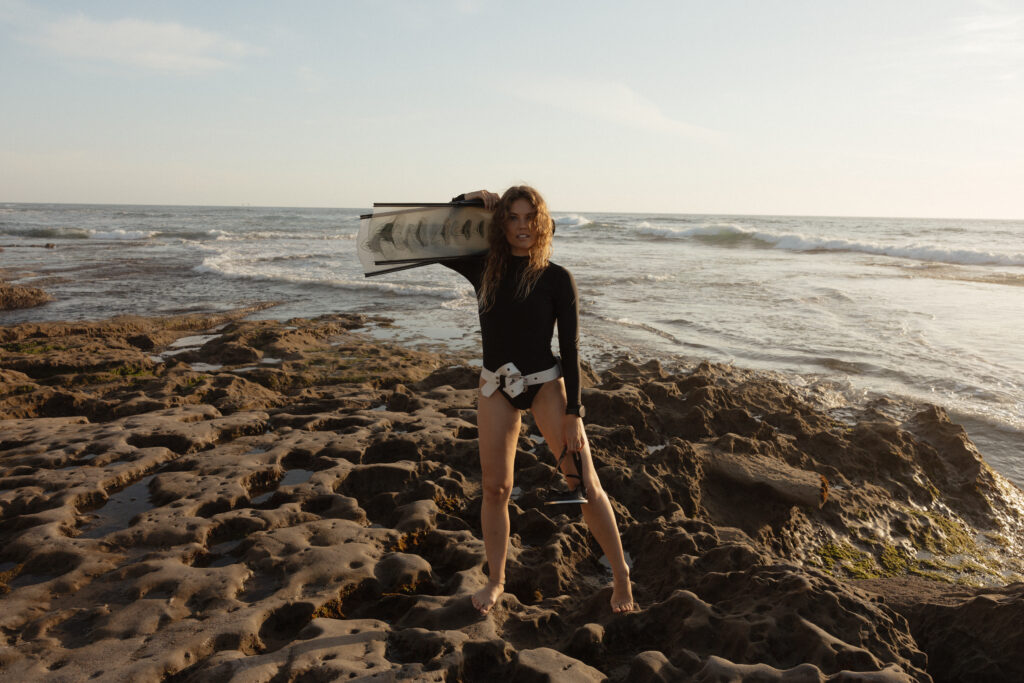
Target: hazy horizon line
<point x="557" y="211"/>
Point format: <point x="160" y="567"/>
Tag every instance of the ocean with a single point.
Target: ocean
<point x="850" y="309"/>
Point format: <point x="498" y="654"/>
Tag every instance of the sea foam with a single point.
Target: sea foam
<point x="226" y="268"/>
<point x="572" y="221"/>
<point x="119" y="234"/>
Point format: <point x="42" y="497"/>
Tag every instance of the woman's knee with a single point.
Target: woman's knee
<point x="497" y="490"/>
<point x="594" y="487"/>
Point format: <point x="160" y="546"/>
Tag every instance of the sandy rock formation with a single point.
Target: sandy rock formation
<point x="18" y="296"/>
<point x="269" y="501"/>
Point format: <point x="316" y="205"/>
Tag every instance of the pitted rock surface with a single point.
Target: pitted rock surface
<point x="308" y="509"/>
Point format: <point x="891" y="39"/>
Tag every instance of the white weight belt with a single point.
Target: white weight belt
<point x="515" y="382"/>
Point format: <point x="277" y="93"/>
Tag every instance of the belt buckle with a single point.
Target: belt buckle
<point x="513" y="377"/>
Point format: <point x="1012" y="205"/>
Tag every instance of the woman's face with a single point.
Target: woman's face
<point x="518" y="230"/>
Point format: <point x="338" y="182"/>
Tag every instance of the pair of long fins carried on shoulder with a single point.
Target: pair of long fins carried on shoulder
<point x="401" y="236"/>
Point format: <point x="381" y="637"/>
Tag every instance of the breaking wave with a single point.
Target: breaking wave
<point x="728" y="234"/>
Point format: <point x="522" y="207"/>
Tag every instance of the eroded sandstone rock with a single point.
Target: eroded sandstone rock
<point x="18" y="296"/>
<point x="317" y="517"/>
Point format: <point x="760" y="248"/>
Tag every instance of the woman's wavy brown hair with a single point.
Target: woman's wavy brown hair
<point x="500" y="252"/>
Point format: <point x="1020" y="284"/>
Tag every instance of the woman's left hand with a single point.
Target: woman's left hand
<point x="490" y="199"/>
<point x="575" y="436"/>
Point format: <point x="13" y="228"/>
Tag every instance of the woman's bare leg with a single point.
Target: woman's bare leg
<point x="498" y="431"/>
<point x="549" y="413"/>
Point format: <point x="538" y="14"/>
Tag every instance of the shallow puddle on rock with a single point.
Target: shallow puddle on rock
<point x="221" y="553"/>
<point x="293" y="477"/>
<point x="205" y="367"/>
<point x="262" y="498"/>
<point x="80" y="460"/>
<point x="290" y="478"/>
<point x="225" y="546"/>
<point x="195" y="340"/>
<point x="118" y="511"/>
<point x="22" y="580"/>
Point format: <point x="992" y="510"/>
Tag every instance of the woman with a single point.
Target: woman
<point x="521" y="295"/>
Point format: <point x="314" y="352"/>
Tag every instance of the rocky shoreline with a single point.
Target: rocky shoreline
<point x="17" y="296"/>
<point x="14" y="296"/>
<point x="208" y="498"/>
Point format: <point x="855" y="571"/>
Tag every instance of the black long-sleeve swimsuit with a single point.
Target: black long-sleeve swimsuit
<point x="520" y="330"/>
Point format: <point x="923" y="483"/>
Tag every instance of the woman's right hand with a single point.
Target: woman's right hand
<point x="490" y="199"/>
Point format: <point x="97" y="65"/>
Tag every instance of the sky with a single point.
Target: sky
<point x="769" y="107"/>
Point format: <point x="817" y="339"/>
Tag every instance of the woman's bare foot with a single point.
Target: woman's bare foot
<point x="622" y="596"/>
<point x="485" y="598"/>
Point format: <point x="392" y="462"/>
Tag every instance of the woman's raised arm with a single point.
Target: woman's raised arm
<point x="490" y="199"/>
